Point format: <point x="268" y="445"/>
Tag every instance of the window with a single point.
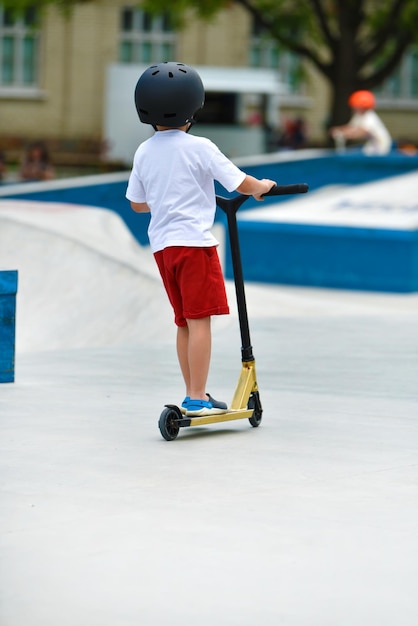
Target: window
<point x="19" y="44"/>
<point x="145" y="38"/>
<point x="220" y="108"/>
<point x="266" y="52"/>
<point x="403" y="83"/>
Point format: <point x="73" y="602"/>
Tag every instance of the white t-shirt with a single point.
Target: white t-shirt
<point x="174" y="173"/>
<point x="380" y="141"/>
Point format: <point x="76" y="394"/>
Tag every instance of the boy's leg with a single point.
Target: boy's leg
<point x="183" y="354"/>
<point x="198" y="355"/>
<point x="201" y="272"/>
<point x="194" y="350"/>
<point x="199" y="351"/>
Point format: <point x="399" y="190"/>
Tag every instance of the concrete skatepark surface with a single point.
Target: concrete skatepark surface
<point x="308" y="520"/>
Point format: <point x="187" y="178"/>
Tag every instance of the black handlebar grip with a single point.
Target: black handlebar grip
<point x="281" y="190"/>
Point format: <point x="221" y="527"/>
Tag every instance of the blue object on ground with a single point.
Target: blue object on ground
<point x="8" y="290"/>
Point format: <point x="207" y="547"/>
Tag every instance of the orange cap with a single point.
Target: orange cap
<point x="361" y="100"/>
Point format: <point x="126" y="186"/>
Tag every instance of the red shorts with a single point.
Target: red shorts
<point x="194" y="282"/>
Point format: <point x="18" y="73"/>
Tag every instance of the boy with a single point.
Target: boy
<point x="173" y="177"/>
<point x="365" y="124"/>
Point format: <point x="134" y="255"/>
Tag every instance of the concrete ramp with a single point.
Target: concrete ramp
<point x="83" y="278"/>
<point x="84" y="281"/>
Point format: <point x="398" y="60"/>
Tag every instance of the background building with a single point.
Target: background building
<point x="55" y="69"/>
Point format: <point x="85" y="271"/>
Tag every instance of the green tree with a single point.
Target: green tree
<point x="354" y="44"/>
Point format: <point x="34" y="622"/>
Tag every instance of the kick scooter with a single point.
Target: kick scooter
<point x="246" y="402"/>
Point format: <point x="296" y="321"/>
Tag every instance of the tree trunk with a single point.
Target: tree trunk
<point x="344" y="67"/>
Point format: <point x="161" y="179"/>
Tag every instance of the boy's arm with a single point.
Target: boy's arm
<point x="140" y="207"/>
<point x="251" y="186"/>
<point x="349" y="131"/>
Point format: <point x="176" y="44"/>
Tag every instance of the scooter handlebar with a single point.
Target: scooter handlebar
<point x="231" y="205"/>
<point x="281" y="190"/>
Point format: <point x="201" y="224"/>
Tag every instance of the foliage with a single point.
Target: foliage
<point x="20" y="5"/>
<point x="319" y="29"/>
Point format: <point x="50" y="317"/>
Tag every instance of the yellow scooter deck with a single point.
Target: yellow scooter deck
<point x="224" y="417"/>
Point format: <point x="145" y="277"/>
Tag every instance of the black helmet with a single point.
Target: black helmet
<point x="169" y="94"/>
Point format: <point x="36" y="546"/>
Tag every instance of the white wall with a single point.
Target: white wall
<point x="122" y="129"/>
<point x="124" y="132"/>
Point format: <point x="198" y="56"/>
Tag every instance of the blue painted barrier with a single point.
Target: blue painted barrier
<point x="8" y="290"/>
<point x="104" y="190"/>
<point x="108" y="190"/>
<point x="328" y="256"/>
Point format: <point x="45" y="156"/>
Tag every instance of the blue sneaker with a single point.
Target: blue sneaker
<point x="200" y="408"/>
<point x="184" y="404"/>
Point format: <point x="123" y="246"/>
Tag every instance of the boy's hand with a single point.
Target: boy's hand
<point x="252" y="186"/>
<point x="267" y="185"/>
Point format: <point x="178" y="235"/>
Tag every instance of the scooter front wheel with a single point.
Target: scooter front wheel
<point x="168" y="423"/>
<point x="254" y="403"/>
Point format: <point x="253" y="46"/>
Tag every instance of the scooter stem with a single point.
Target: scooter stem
<point x="230" y="207"/>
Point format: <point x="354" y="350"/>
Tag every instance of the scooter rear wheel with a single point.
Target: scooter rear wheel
<point x="254" y="403"/>
<point x="168" y="425"/>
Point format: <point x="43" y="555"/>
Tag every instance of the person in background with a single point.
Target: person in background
<point x="36" y="164"/>
<point x="293" y="135"/>
<point x="365" y="125"/>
